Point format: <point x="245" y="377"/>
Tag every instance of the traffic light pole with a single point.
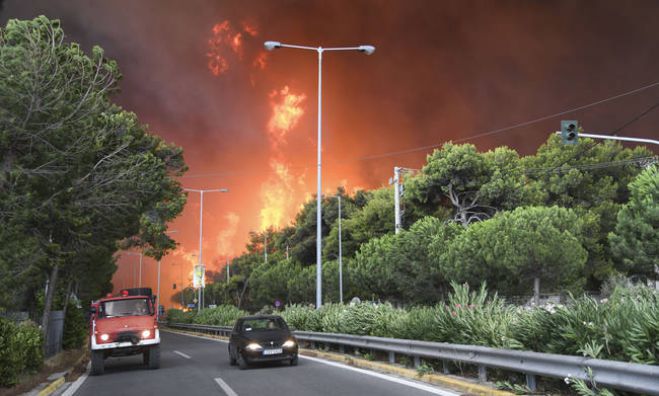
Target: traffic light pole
<point x="621" y="138"/>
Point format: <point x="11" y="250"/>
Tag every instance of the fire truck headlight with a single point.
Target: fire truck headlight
<point x="146" y="333"/>
<point x="105" y="337"/>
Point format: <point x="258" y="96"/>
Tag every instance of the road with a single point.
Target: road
<point x="197" y="366"/>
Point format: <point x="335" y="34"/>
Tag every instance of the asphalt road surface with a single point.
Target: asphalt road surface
<point x="196" y="366"/>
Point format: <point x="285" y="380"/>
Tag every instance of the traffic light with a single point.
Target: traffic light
<point x="570" y="131"/>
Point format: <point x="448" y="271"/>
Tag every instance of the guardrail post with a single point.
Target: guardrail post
<point x="445" y="369"/>
<point x="392" y="357"/>
<point x="417" y="362"/>
<point x="342" y="349"/>
<point x="482" y="373"/>
<point x="530" y="382"/>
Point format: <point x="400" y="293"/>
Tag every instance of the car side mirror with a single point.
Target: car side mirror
<point x="92" y="310"/>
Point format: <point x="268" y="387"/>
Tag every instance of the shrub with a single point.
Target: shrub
<point x="302" y="317"/>
<point x="11" y="354"/>
<point x="75" y="328"/>
<point x="32" y="342"/>
<point x="223" y="315"/>
<point x="20" y="350"/>
<point x="475" y="318"/>
<point x="179" y="316"/>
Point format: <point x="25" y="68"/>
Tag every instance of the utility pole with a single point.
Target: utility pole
<point x="396" y="182"/>
<point x="228" y="275"/>
<point x="265" y="246"/>
<point x="340" y="255"/>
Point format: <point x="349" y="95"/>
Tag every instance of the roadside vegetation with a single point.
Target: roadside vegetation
<point x="80" y="178"/>
<point x="623" y="326"/>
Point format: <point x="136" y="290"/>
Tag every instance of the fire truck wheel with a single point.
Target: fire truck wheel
<point x="154" y="357"/>
<point x="98" y="364"/>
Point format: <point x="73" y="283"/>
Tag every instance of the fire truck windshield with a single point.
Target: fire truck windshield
<point x="127" y="307"/>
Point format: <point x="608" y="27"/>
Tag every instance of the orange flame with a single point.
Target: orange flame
<point x="278" y="193"/>
<point x="261" y="60"/>
<point x="250" y="29"/>
<point x="286" y="112"/>
<point x="225" y="237"/>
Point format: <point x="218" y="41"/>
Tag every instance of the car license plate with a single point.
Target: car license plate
<point x="273" y="351"/>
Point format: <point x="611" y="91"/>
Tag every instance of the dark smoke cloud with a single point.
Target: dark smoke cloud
<point x="442" y="70"/>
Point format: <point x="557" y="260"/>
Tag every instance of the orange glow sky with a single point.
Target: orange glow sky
<point x="197" y="73"/>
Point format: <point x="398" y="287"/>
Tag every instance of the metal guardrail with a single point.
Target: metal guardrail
<point x="638" y="378"/>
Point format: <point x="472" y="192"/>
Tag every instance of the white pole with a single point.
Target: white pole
<point x="397" y="224"/>
<point x="140" y="281"/>
<point x="621" y="138"/>
<point x="201" y="230"/>
<point x="158" y="294"/>
<point x="265" y="246"/>
<point x="228" y="274"/>
<point x="319" y="228"/>
<point x="340" y="256"/>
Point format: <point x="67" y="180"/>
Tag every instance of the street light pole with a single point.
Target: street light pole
<point x="340" y="255"/>
<point x="368" y="50"/>
<point x="133" y="267"/>
<point x="201" y="231"/>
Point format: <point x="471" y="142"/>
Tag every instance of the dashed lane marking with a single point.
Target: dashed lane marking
<point x="182" y="354"/>
<point x="225" y="387"/>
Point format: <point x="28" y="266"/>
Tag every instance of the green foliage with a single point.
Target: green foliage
<point x="635" y="240"/>
<point x="511" y="249"/>
<point x="302" y="317"/>
<point x="92" y="178"/>
<point x="179" y="316"/>
<point x="20" y="350"/>
<point x="223" y="315"/>
<point x="624" y="327"/>
<point x="75" y="328"/>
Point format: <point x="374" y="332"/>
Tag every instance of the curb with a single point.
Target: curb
<point x="436" y="379"/>
<point x="52" y="387"/>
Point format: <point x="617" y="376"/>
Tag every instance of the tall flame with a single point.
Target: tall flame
<point x="286" y="112"/>
<point x="279" y="191"/>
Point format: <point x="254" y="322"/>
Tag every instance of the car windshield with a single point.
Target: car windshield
<point x="263" y="324"/>
<point x="131" y="307"/>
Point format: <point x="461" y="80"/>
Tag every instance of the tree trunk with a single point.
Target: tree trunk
<point x="52" y="284"/>
<point x="242" y="293"/>
<point x="536" y="291"/>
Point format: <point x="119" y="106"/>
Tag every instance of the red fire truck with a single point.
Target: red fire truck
<point x="124" y="325"/>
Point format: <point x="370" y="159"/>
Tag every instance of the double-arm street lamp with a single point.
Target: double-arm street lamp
<point x="368" y="50"/>
<point x="201" y="232"/>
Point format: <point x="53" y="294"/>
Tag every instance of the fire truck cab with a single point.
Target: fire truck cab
<point x="124" y="325"/>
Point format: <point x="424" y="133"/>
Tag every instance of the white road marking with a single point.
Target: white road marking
<point x="76" y="385"/>
<point x="385" y="377"/>
<point x="182" y="354"/>
<point x="225" y="387"/>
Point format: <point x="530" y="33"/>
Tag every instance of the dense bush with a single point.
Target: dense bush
<point x="21" y="349"/>
<point x="179" y="316"/>
<point x="624" y="327"/>
<point x="75" y="328"/>
<point x="223" y="315"/>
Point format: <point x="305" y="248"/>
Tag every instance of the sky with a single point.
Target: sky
<point x="197" y="73"/>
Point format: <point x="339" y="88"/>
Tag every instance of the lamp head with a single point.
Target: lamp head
<point x="270" y="45"/>
<point x="367" y="49"/>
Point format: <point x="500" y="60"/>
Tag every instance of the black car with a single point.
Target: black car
<point x="263" y="338"/>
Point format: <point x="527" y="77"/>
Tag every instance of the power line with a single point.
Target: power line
<point x="476" y="136"/>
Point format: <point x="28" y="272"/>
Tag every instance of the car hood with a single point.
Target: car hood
<point x="268" y="335"/>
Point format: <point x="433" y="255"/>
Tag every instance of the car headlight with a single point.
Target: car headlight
<point x="146" y="333"/>
<point x="254" y="347"/>
<point x="105" y="337"/>
<point x="289" y="344"/>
